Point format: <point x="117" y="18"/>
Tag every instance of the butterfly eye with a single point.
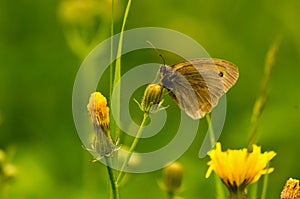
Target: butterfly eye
<point x="221" y="74"/>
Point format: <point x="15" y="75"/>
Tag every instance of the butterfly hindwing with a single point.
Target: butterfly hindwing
<point x="197" y="85"/>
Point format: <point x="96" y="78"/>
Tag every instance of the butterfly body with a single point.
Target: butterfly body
<point x="196" y="85"/>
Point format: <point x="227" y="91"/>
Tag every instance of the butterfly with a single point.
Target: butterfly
<point x="197" y="85"/>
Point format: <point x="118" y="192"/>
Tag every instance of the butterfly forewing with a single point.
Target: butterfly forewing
<point x="197" y="85"/>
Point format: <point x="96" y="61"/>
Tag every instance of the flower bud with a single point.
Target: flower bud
<point x="99" y="111"/>
<point x="291" y="189"/>
<point x="172" y="177"/>
<point x="152" y="98"/>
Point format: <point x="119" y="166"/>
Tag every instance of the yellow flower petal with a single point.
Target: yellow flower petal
<point x="98" y="110"/>
<point x="239" y="167"/>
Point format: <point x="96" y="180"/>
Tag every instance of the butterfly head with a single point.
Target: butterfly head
<point x="165" y="70"/>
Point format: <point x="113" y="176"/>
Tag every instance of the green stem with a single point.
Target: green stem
<point x="219" y="188"/>
<point x="262" y="98"/>
<point x="265" y="186"/>
<point x="239" y="194"/>
<point x="114" y="187"/>
<point x="132" y="148"/>
<point x="253" y="191"/>
<point x="219" y="185"/>
<point x="118" y="69"/>
<point x="211" y="131"/>
<point x="171" y="195"/>
<point x="111" y="48"/>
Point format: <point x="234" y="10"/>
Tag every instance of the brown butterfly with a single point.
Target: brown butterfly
<point x="197" y="85"/>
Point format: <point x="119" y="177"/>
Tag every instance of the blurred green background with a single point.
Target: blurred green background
<point x="37" y="72"/>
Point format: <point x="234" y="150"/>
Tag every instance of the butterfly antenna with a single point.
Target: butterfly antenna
<point x="160" y="55"/>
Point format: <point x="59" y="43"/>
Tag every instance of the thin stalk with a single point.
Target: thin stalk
<point x="219" y="188"/>
<point x="171" y="195"/>
<point x="262" y="98"/>
<point x="118" y="69"/>
<point x="111" y="48"/>
<point x="219" y="185"/>
<point x="114" y="187"/>
<point x="253" y="191"/>
<point x="132" y="148"/>
<point x="111" y="69"/>
<point x="211" y="131"/>
<point x="239" y="194"/>
<point x="265" y="187"/>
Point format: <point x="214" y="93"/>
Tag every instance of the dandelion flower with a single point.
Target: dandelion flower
<point x="239" y="168"/>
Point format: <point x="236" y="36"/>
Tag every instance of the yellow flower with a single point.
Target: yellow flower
<point x="291" y="190"/>
<point x="98" y="110"/>
<point x="238" y="168"/>
<point x="99" y="113"/>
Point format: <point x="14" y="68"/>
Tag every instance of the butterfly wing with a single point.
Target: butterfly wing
<point x="197" y="85"/>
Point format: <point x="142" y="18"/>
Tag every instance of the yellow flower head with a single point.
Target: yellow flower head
<point x="98" y="110"/>
<point x="238" y="168"/>
<point x="291" y="190"/>
<point x="103" y="144"/>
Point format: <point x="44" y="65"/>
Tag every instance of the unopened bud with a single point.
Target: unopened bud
<point x="172" y="177"/>
<point x="152" y="98"/>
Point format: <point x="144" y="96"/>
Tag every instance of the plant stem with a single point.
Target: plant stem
<point x="219" y="187"/>
<point x="262" y="98"/>
<point x="114" y="186"/>
<point x="265" y="186"/>
<point x="118" y="69"/>
<point x="132" y="148"/>
<point x="238" y="194"/>
<point x="253" y="192"/>
<point x="111" y="48"/>
<point x="171" y="194"/>
<point x="211" y="131"/>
